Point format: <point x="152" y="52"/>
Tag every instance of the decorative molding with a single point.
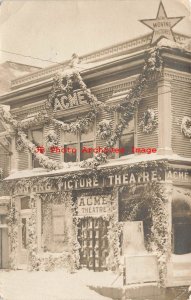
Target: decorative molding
<point x="106" y="91"/>
<point x="103" y="92"/>
<point x="117" y="49"/>
<point x="142" y="42"/>
<point x="170" y="75"/>
<point x="28" y="110"/>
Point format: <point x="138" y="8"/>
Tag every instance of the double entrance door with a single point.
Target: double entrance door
<point x="94" y="243"/>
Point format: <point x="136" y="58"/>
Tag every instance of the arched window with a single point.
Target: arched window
<point x="181" y="225"/>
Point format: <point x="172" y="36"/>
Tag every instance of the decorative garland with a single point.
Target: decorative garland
<point x="153" y="196"/>
<point x="36" y="261"/>
<point x="14" y="186"/>
<point x="33" y="263"/>
<point x="80" y="125"/>
<point x="93" y="163"/>
<point x="64" y="84"/>
<point x="13" y="227"/>
<point x="43" y="160"/>
<point x="114" y="231"/>
<point x="148" y="121"/>
<point x="41" y="118"/>
<point x="186" y="127"/>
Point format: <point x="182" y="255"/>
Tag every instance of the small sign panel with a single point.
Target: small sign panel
<point x="162" y="25"/>
<point x="94" y="205"/>
<point x="141" y="269"/>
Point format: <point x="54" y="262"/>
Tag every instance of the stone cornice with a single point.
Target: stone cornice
<point x="130" y="46"/>
<point x="43" y="88"/>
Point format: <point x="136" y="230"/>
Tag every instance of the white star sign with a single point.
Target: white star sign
<point x="162" y="25"/>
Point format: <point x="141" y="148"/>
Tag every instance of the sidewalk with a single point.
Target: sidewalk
<point x="58" y="285"/>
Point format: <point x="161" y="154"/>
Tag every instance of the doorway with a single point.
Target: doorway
<point x="94" y="243"/>
<point x="24" y="234"/>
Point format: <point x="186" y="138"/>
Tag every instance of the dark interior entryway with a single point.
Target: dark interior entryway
<point x="181" y="225"/>
<point x="182" y="235"/>
<point x="4" y="259"/>
<point x="94" y="243"/>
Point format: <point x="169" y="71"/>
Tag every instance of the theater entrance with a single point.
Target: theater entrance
<point x="94" y="243"/>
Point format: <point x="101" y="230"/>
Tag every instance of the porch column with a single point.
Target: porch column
<point x="38" y="222"/>
<point x="164" y="117"/>
<point x="14" y="156"/>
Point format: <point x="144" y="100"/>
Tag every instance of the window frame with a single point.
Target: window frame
<point x="31" y="161"/>
<point x="116" y="120"/>
<point x="78" y="142"/>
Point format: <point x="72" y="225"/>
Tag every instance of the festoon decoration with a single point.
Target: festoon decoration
<point x="65" y="84"/>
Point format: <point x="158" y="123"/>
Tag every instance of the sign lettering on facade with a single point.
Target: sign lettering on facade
<point x="181" y="176"/>
<point x="109" y="181"/>
<point x="62" y="102"/>
<point x="162" y="25"/>
<point x="94" y="205"/>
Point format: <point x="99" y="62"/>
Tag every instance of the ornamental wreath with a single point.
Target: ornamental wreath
<point x="51" y="138"/>
<point x="148" y="121"/>
<point x="104" y="129"/>
<point x="19" y="144"/>
<point x="186" y="127"/>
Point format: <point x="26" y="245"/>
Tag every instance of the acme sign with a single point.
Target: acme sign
<point x="93" y="205"/>
<point x="62" y="102"/>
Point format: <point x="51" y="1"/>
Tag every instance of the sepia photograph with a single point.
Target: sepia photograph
<point x="95" y="149"/>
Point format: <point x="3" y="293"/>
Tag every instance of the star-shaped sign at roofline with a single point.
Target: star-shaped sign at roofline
<point x="162" y="25"/>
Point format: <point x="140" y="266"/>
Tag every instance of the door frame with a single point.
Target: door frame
<point x="23" y="252"/>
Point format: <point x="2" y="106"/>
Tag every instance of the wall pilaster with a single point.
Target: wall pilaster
<point x="164" y="117"/>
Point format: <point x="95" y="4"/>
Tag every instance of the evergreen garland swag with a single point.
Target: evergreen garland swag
<point x="13" y="232"/>
<point x="154" y="198"/>
<point x="68" y="259"/>
<point x="64" y="84"/>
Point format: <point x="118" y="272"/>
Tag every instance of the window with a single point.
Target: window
<point x="25" y="203"/>
<point x="37" y="139"/>
<point x="2" y="219"/>
<point x="86" y="141"/>
<point x="126" y="140"/>
<point x="76" y="145"/>
<point x="70" y="147"/>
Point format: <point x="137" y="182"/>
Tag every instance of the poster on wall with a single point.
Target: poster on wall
<point x="95" y="132"/>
